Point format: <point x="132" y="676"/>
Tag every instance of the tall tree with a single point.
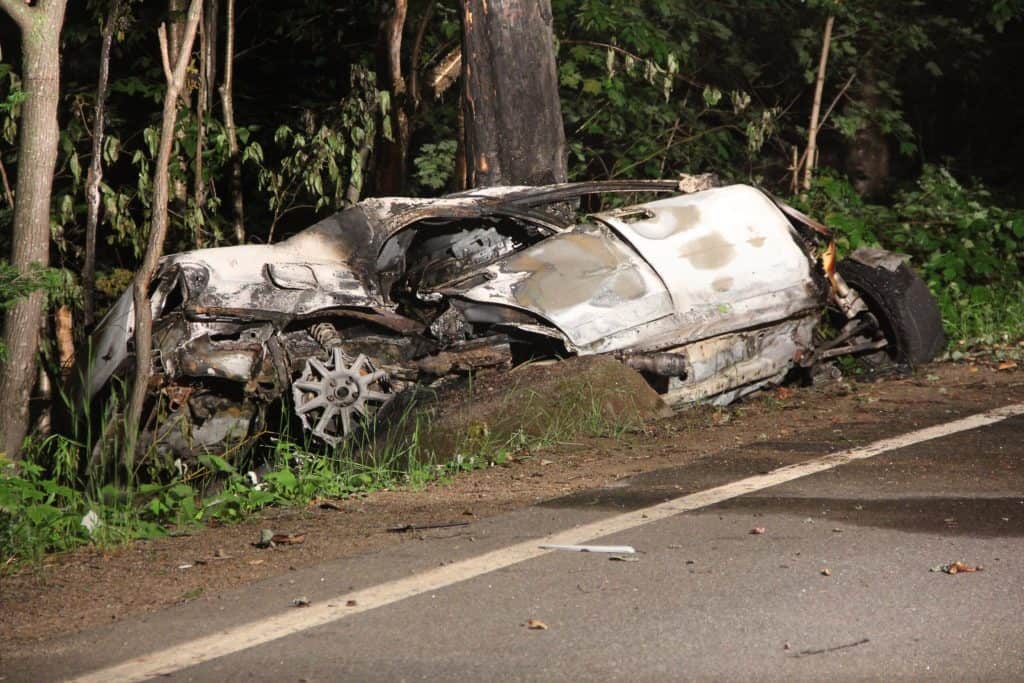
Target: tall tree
<point x="175" y="77"/>
<point x="513" y="115"/>
<point x="40" y="25"/>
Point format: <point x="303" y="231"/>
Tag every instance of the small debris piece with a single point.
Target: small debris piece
<point x="327" y="505"/>
<point x="401" y="529"/>
<point x="787" y="646"/>
<point x="758" y="531"/>
<point x="614" y="549"/>
<point x="536" y="625"/>
<point x="624" y="558"/>
<point x="266" y="539"/>
<point x="255" y="562"/>
<point x="184" y="566"/>
<point x="546" y="462"/>
<point x="351" y="603"/>
<point x="826" y="572"/>
<point x="958" y="567"/>
<point x="219" y="554"/>
<point x="783" y="393"/>
<point x="301" y="602"/>
<point x="288" y="539"/>
<point x="91" y="521"/>
<point x="805" y="653"/>
<point x="837" y="530"/>
<point x="1007" y="365"/>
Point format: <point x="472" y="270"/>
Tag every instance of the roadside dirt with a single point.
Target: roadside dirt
<point x="90" y="587"/>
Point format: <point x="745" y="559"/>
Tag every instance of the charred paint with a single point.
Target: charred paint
<point x="625" y="285"/>
<point x="709" y="252"/>
<point x="669" y="222"/>
<point x="565" y="272"/>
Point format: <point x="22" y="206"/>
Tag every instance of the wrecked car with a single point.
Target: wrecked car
<point x="710" y="294"/>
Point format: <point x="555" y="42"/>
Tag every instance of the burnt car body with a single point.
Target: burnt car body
<point x="710" y="294"/>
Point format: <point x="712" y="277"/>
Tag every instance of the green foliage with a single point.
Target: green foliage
<point x="37" y="515"/>
<point x="435" y="164"/>
<point x="318" y="161"/>
<point x="14" y="285"/>
<point x="968" y="248"/>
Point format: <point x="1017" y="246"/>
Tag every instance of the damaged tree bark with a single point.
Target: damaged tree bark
<point x="158" y="228"/>
<point x="513" y="116"/>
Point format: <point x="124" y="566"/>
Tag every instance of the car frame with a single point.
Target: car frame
<point x="710" y="292"/>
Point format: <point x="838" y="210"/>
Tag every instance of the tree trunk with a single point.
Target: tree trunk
<point x="812" y="130"/>
<point x="40" y="26"/>
<point x="513" y="116"/>
<point x="158" y="228"/>
<point x="868" y="158"/>
<point x="391" y="154"/>
<point x="228" y="103"/>
<point x="95" y="174"/>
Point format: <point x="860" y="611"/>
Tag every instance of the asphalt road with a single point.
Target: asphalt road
<point x="837" y="586"/>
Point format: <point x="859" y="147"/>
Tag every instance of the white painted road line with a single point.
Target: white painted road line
<point x="255" y="633"/>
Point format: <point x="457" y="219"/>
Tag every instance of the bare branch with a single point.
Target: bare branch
<point x="165" y="56"/>
<point x="20" y="11"/>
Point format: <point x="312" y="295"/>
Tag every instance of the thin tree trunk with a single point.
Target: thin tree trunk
<point x="95" y="174"/>
<point x="513" y="116"/>
<point x="812" y="131"/>
<point x="158" y="229"/>
<point x="207" y="78"/>
<point x="8" y="194"/>
<point x="391" y="164"/>
<point x="40" y="26"/>
<point x="202" y="103"/>
<point x="227" y="102"/>
<point x="414" y="57"/>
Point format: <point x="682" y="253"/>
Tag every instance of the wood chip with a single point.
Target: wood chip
<point x="288" y="539"/>
<point x="536" y="625"/>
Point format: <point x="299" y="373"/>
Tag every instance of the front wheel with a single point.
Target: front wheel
<point x="904" y="307"/>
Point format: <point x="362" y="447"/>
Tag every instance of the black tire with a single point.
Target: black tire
<point x="906" y="310"/>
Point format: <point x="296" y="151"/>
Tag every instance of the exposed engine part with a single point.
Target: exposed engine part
<point x="330" y="397"/>
<point x="660" y="364"/>
<point x="326" y="335"/>
<point x="450" y="327"/>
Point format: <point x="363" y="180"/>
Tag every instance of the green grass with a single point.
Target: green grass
<point x="43" y="503"/>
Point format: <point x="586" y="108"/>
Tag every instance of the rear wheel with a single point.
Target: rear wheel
<point x="904" y="307"/>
